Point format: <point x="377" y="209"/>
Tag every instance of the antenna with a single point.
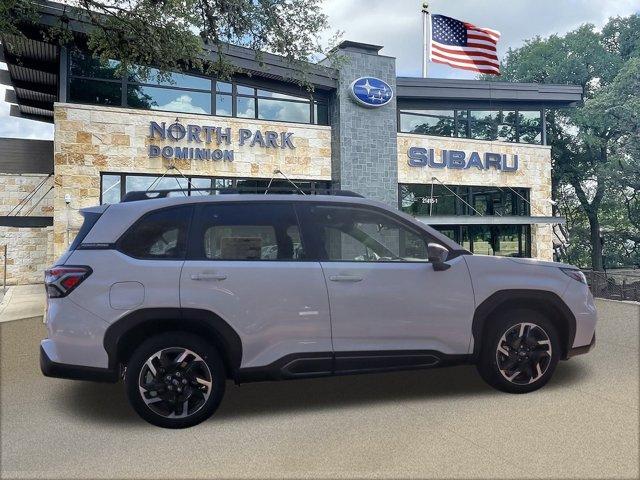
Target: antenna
<point x="278" y="171"/>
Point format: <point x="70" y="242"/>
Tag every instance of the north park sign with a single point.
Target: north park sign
<point x="457" y="159"/>
<point x="201" y="135"/>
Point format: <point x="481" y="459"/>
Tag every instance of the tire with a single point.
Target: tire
<point x="519" y="352"/>
<point x="188" y="383"/>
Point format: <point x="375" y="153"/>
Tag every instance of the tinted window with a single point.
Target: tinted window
<point x="530" y="130"/>
<point x="428" y="122"/>
<point x="249" y="232"/>
<point x="282" y="110"/>
<point x="89" y="220"/>
<point x="152" y="75"/>
<point x="156" y="98"/>
<point x="159" y="235"/>
<point x="95" y="92"/>
<point x="83" y="64"/>
<point x="361" y="235"/>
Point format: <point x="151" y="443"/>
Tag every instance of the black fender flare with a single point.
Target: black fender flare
<point x="189" y="319"/>
<point x="548" y="302"/>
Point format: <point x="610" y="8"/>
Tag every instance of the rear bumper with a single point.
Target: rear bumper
<point x="75" y="372"/>
<point x="583" y="349"/>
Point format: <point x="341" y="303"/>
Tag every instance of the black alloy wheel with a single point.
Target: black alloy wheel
<point x="175" y="380"/>
<point x="519" y="351"/>
<point x="524" y="353"/>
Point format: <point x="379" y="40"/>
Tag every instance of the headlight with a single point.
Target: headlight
<point x="575" y="274"/>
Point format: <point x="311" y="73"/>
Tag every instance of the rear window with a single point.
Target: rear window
<point x="90" y="219"/>
<point x="159" y="235"/>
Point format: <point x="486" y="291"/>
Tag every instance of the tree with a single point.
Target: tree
<point x="594" y="145"/>
<point x="172" y="35"/>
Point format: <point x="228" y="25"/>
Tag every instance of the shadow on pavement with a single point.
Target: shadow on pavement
<point x="107" y="402"/>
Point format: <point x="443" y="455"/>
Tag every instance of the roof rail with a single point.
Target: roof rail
<point x="154" y="194"/>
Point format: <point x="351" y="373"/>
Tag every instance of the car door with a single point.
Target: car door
<point x="389" y="307"/>
<point x="247" y="264"/>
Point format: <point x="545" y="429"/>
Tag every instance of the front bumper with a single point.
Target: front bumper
<point x="75" y="372"/>
<point x="583" y="349"/>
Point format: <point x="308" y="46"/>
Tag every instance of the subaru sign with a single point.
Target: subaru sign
<point x="371" y="92"/>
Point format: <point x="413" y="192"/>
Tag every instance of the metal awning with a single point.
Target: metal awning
<point x="490" y="220"/>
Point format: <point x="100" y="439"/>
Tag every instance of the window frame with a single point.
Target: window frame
<point x="464" y="127"/>
<point x="313" y="247"/>
<point x="119" y="241"/>
<point x="125" y="82"/>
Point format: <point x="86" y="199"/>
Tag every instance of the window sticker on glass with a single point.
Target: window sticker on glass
<point x="248" y="248"/>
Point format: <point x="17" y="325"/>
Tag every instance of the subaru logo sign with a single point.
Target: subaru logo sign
<point x="371" y="92"/>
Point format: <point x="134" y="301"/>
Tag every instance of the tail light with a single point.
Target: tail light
<point x="60" y="281"/>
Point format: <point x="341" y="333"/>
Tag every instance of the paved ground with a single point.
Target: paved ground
<point x="22" y="301"/>
<point x="436" y="423"/>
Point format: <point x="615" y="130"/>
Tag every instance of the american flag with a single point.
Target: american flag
<point x="463" y="45"/>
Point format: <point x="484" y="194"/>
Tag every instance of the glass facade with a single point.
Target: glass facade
<point x="524" y="126"/>
<point x="114" y="186"/>
<point x="503" y="240"/>
<point x="95" y="82"/>
<point x="424" y="200"/>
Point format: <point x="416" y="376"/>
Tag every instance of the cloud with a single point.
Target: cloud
<point x="397" y="25"/>
<point x="183" y="103"/>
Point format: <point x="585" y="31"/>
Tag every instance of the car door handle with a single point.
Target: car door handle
<point x="345" y="278"/>
<point x="208" y="276"/>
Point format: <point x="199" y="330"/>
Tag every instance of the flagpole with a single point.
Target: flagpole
<point x="426" y="37"/>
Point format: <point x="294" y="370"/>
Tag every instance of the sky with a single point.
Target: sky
<point x="397" y="25"/>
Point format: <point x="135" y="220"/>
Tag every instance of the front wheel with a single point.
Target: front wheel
<point x="175" y="380"/>
<point x="519" y="352"/>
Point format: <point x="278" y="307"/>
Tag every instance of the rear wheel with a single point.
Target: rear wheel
<point x="519" y="352"/>
<point x="175" y="380"/>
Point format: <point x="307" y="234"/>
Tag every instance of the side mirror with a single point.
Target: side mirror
<point x="438" y="255"/>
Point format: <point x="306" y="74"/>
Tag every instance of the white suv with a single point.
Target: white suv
<point x="178" y="294"/>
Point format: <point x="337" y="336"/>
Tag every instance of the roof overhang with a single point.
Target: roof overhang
<point x="467" y="93"/>
<point x="490" y="220"/>
<point x="32" y="71"/>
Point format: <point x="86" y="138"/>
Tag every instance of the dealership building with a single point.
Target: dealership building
<point x="467" y="157"/>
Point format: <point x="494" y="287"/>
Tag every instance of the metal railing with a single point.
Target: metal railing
<point x="614" y="285"/>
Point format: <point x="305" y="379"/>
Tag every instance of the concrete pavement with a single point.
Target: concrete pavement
<point x="22" y="301"/>
<point x="437" y="423"/>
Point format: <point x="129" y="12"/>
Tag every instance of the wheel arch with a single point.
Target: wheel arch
<point x="546" y="303"/>
<point x="125" y="334"/>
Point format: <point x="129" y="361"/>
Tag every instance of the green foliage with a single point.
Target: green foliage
<point x="596" y="146"/>
<point x="172" y="35"/>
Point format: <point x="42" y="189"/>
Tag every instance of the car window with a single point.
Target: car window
<point x="361" y="235"/>
<point x="250" y="232"/>
<point x="158" y="235"/>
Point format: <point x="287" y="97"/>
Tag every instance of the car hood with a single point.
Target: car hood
<point x="541" y="263"/>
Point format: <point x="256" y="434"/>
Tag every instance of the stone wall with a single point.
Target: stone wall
<point x="534" y="173"/>
<point x="29" y="250"/>
<point x="92" y="139"/>
<point x="29" y="253"/>
<point x="364" y="139"/>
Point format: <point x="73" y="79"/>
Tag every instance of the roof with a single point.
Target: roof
<point x="485" y="92"/>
